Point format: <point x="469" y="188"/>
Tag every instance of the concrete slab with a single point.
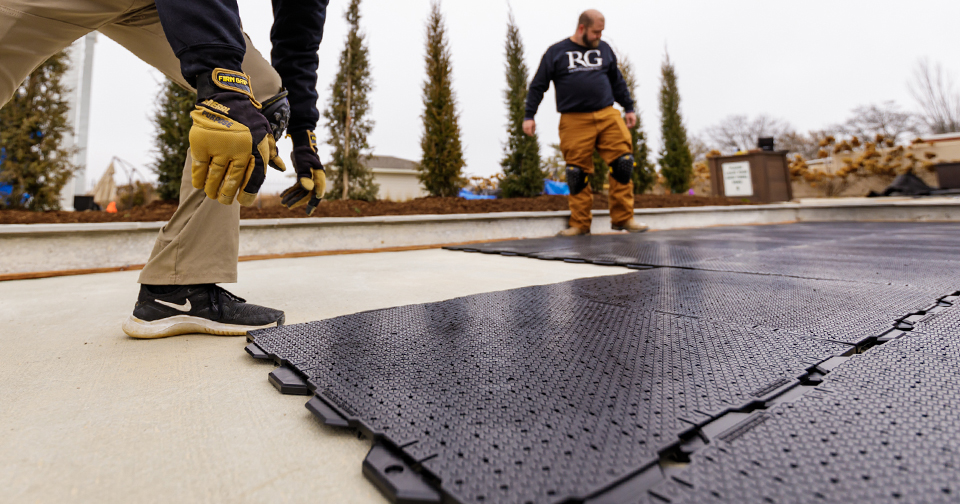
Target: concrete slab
<point x="90" y="415"/>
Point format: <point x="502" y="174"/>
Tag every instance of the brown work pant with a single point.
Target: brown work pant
<point x="201" y="242"/>
<point x="604" y="131"/>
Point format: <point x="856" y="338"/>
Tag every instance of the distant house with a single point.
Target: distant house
<point x="397" y="178"/>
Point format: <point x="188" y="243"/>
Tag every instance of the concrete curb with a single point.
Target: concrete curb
<point x="30" y="248"/>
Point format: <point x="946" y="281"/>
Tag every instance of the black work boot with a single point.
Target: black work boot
<point x="170" y="310"/>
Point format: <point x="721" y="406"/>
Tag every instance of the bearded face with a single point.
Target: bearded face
<point x="588" y="42"/>
<point x="592" y="34"/>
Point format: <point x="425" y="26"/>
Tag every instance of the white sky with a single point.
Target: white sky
<point x="806" y="62"/>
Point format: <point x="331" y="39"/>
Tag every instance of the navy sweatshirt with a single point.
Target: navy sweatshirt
<point x="206" y="34"/>
<point x="586" y="79"/>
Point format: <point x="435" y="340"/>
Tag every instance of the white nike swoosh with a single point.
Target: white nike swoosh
<point x="184" y="307"/>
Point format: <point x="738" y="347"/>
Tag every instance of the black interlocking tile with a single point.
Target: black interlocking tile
<point x="539" y="394"/>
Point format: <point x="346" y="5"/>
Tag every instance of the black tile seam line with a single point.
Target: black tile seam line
<point x="882" y="427"/>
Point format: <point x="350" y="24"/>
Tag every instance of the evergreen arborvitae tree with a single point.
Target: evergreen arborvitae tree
<point x="676" y="161"/>
<point x="346" y="115"/>
<point x="442" y="163"/>
<point x="521" y="162"/>
<point x="32" y="125"/>
<point x="600" y="171"/>
<point x="644" y="173"/>
<point x="171" y="125"/>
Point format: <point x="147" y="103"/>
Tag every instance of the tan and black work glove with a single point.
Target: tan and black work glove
<point x="311" y="178"/>
<point x="231" y="141"/>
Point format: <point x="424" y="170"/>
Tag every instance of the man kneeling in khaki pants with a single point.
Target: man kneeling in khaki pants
<point x="241" y="110"/>
<point x="587" y="79"/>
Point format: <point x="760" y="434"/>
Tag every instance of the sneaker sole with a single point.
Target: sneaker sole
<point x="644" y="230"/>
<point x="185" y="324"/>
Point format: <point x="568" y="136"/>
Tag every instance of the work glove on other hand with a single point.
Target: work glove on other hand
<point x="231" y="141"/>
<point x="277" y="111"/>
<point x="311" y="178"/>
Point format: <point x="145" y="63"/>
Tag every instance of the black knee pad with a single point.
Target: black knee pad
<point x="622" y="169"/>
<point x="576" y="179"/>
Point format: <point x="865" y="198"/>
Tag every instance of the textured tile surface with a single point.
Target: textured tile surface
<point x="555" y="393"/>
<point x="538" y="394"/>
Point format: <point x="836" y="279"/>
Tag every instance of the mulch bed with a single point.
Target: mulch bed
<point x="162" y="210"/>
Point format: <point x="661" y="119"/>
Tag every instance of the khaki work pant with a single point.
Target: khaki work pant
<point x="201" y="242"/>
<point x="604" y="131"/>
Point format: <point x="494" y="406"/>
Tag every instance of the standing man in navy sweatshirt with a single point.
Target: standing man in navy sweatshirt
<point x="243" y="105"/>
<point x="587" y="79"/>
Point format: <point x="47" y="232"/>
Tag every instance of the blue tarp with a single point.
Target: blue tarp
<point x="551" y="187"/>
<point x="5" y="189"/>
<point x="465" y="194"/>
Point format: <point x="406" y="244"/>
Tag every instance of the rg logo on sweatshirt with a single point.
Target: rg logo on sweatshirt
<point x="580" y="62"/>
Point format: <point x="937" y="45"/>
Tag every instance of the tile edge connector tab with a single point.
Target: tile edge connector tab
<point x="288" y="381"/>
<point x="400" y="480"/>
<point x="907" y="323"/>
<point x="256" y="352"/>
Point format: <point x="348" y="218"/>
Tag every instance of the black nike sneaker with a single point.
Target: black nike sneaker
<point x="196" y="309"/>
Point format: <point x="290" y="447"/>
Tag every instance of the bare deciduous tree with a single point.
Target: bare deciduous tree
<point x="698" y="147"/>
<point x="738" y="132"/>
<point x="804" y="144"/>
<point x="884" y="119"/>
<point x="935" y="93"/>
